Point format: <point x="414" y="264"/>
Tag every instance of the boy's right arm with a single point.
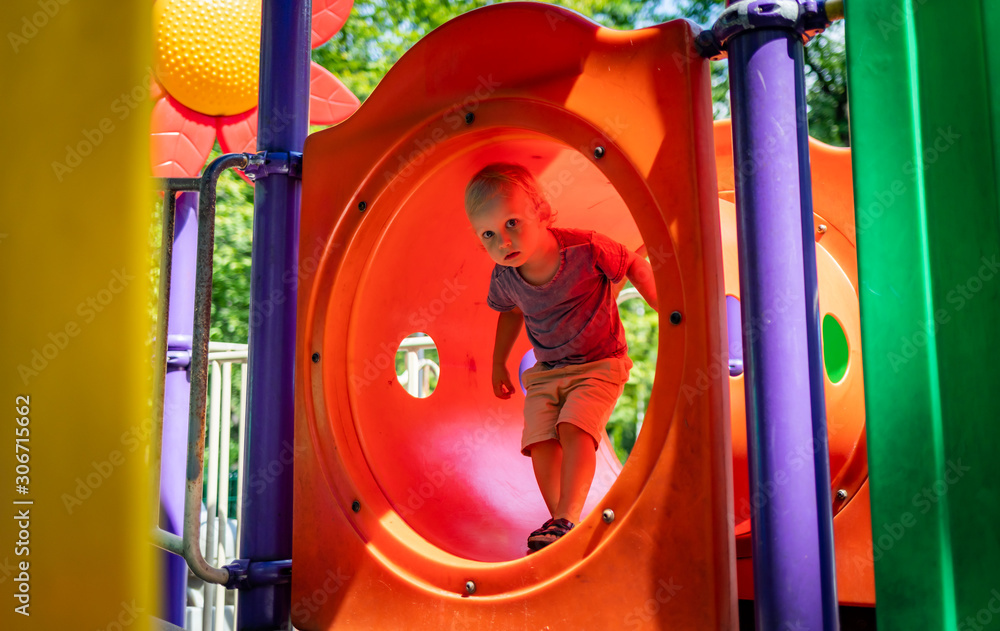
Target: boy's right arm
<point x="508" y="328"/>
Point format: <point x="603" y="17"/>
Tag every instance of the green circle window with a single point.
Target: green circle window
<point x="836" y="353"/>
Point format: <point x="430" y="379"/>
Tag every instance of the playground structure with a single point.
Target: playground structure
<point x="660" y="180"/>
<point x="833" y="206"/>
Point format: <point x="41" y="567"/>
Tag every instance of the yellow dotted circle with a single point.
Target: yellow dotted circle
<point x="206" y="53"/>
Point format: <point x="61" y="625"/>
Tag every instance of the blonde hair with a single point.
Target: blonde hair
<point x="500" y="179"/>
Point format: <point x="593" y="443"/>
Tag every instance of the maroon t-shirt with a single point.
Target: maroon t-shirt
<point x="573" y="318"/>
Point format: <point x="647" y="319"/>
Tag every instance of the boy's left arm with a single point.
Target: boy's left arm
<point x="640" y="272"/>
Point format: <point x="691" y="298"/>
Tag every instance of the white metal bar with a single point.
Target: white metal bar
<point x="215" y="400"/>
<point x="239" y="467"/>
<point x="412" y="373"/>
<point x="225" y="346"/>
<point x="225" y="427"/>
<point x="628" y="294"/>
<point x="424" y="378"/>
<point x="434" y="368"/>
<point x="241" y="436"/>
<point x="416" y="343"/>
<point x="228" y="356"/>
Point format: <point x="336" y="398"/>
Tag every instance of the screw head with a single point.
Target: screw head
<point x="362" y="206"/>
<point x="675" y="318"/>
<point x="842" y="494"/>
<point x="608" y="515"/>
<point x="355" y="506"/>
<point x="599" y="153"/>
<point x="821" y="228"/>
<point x="469" y="117"/>
<point x="315" y="358"/>
<point x="470" y="587"/>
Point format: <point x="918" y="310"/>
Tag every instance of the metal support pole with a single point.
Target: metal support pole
<point x="176" y="397"/>
<point x="282" y="127"/>
<point x="792" y="532"/>
<point x="188" y="545"/>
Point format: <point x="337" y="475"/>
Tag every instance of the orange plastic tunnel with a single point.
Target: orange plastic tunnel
<point x="413" y="512"/>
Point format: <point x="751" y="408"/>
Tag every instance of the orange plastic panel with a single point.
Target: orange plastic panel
<point x="837" y="271"/>
<point x="402" y="503"/>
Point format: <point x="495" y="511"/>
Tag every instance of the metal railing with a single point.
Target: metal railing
<point x="187" y="545"/>
<point x="238" y="573"/>
<point x="217" y="548"/>
<point x="628" y="294"/>
<point x="201" y="557"/>
<point x="411" y="377"/>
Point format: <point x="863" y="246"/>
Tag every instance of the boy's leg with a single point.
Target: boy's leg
<point x="546" y="460"/>
<point x="579" y="460"/>
<point x="591" y="395"/>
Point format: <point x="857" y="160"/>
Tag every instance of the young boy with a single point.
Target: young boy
<point x="559" y="283"/>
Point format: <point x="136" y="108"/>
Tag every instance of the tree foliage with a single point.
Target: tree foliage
<point x="642" y="334"/>
<point x="231" y="260"/>
<point x="380" y="31"/>
<point x="826" y="82"/>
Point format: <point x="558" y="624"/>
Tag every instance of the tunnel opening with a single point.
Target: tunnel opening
<point x="418" y="367"/>
<point x="450" y="464"/>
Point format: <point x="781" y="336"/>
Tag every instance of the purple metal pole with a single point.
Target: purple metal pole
<point x="793" y="564"/>
<point x="282" y="127"/>
<point x="176" y="401"/>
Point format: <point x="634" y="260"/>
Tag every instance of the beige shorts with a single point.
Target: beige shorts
<point x="581" y="394"/>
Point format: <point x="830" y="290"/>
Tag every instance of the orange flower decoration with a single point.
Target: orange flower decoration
<point x="206" y="63"/>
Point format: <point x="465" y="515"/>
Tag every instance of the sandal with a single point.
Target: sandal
<point x="555" y="529"/>
<point x="536" y="533"/>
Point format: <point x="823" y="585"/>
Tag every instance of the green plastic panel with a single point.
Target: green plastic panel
<point x="924" y="131"/>
<point x="836" y="352"/>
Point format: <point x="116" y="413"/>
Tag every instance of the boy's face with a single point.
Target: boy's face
<point x="509" y="229"/>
